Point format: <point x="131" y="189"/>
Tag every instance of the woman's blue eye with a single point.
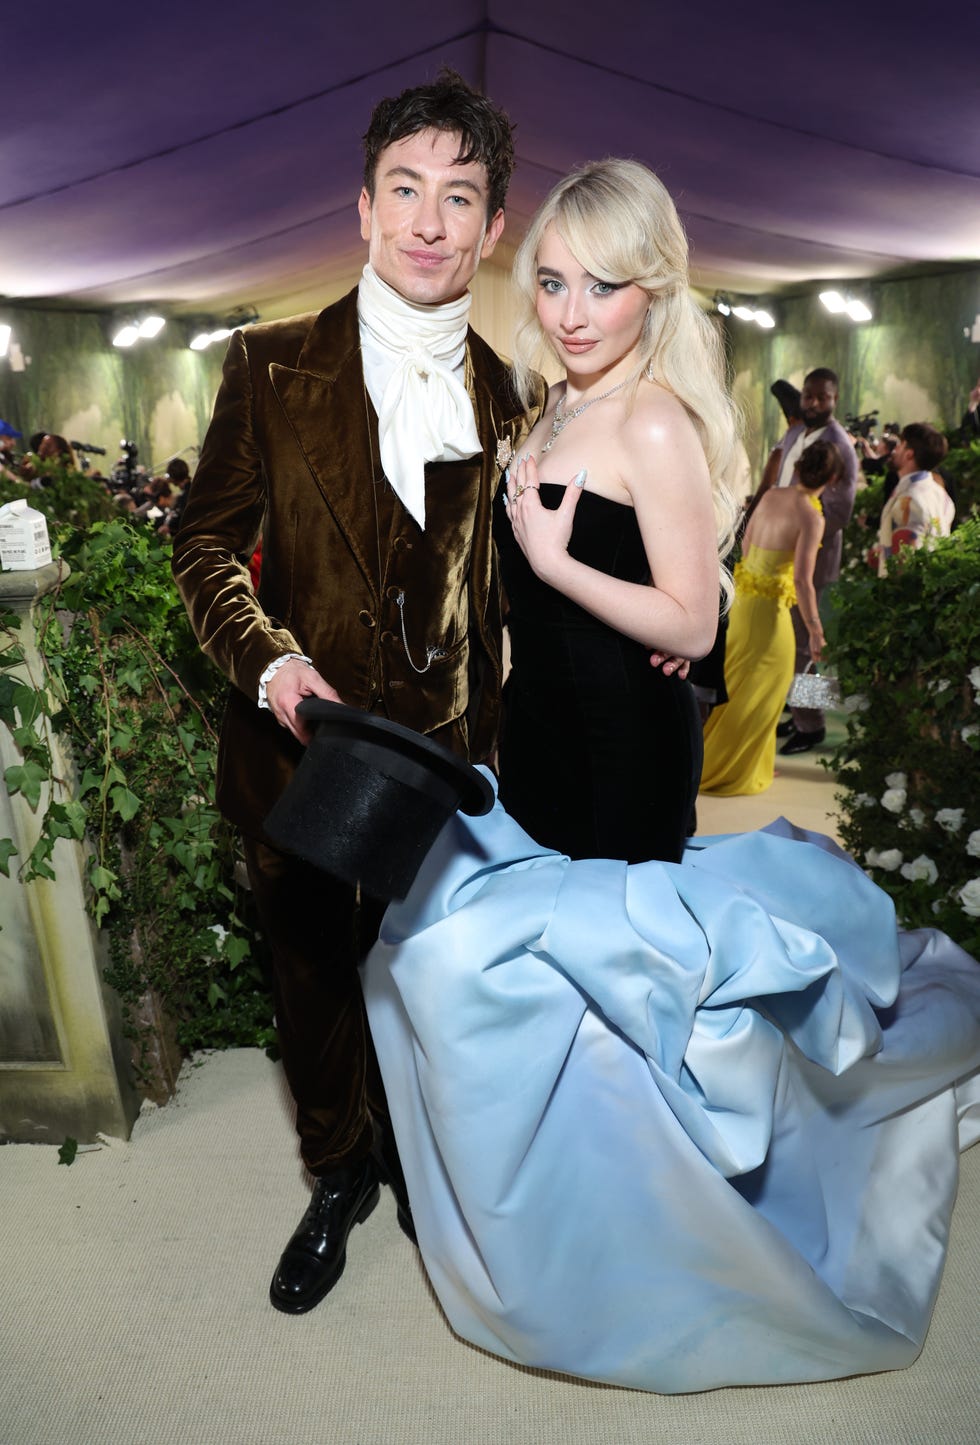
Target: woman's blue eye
<point x="549" y="284"/>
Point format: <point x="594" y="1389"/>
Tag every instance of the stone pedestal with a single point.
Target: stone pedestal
<point x="64" y="1064"/>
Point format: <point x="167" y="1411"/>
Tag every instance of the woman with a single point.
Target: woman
<point x="667" y="1125"/>
<point x="600" y="753"/>
<point x="780" y="548"/>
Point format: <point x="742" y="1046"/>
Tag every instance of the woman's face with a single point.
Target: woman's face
<point x="594" y="326"/>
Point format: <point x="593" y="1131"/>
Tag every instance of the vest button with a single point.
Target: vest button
<point x="400" y="544"/>
<point x="395" y="684"/>
<point x="387" y="638"/>
<point x="393" y="594"/>
<point x="365" y="619"/>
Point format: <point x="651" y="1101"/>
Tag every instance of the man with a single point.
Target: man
<point x="919" y="507"/>
<point x="807" y="727"/>
<point x="360" y="447"/>
<point x="970" y="425"/>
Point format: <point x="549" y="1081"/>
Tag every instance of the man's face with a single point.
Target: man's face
<point x="902" y="459"/>
<point x="426" y="227"/>
<point x="817" y="402"/>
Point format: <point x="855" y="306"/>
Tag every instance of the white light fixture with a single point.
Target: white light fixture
<point x="5" y="334"/>
<point x="857" y="310"/>
<point x="763" y="319"/>
<point x="127" y="335"/>
<point x="151" y="325"/>
<point x="744" y="313"/>
<point x="723" y="307"/>
<point x="204" y="339"/>
<point x="846" y="305"/>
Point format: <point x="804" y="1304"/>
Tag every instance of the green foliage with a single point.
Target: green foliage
<point x="907" y="652"/>
<point x="68" y="1151"/>
<point x="128" y="687"/>
<point x="67" y="497"/>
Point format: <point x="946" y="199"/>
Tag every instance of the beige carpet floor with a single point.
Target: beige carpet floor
<point x="134" y="1301"/>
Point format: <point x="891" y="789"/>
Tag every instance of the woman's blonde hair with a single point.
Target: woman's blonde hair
<point x="620" y="224"/>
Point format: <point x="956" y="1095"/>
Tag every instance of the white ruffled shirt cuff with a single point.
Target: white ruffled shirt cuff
<point x="273" y="668"/>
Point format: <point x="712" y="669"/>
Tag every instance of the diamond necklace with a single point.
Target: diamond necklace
<point x="561" y="418"/>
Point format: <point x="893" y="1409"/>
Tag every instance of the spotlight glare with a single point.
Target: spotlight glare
<point x="126" y="336"/>
<point x="5" y="334"/>
<point x="744" y="313"/>
<point x="724" y="308"/>
<point x="763" y="319"/>
<point x="833" y="301"/>
<point x="200" y="341"/>
<point x="857" y="311"/>
<point x="152" y="325"/>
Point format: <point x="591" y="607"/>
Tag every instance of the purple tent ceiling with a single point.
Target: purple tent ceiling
<point x="204" y="157"/>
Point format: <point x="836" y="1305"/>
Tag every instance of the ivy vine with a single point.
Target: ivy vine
<point x="126" y="685"/>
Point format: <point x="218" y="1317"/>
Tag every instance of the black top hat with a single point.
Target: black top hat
<point x="370" y="797"/>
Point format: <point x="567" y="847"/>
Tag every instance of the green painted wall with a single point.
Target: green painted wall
<point x="158" y="394"/>
<point x="912" y="362"/>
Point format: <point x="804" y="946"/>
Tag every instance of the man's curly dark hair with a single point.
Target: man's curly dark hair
<point x="448" y="104"/>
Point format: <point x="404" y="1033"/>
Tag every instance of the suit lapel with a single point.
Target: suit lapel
<point x="324" y="402"/>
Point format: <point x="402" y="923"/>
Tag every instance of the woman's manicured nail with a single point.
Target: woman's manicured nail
<point x="579" y="480"/>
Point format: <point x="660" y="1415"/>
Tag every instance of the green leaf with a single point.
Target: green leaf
<point x="7" y="850"/>
<point x="68" y="1150"/>
<point x="235" y="949"/>
<point x="26" y="778"/>
<point x="125" y="803"/>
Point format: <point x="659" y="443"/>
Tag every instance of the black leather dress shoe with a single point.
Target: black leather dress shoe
<point x="798" y="742"/>
<point x="314" y="1258"/>
<point x="786" y="728"/>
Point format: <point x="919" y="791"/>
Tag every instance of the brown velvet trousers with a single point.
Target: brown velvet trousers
<point x="318" y="932"/>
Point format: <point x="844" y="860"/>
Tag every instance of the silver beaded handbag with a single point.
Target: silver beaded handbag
<point x="813" y="689"/>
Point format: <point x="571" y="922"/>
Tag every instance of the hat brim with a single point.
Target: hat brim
<point x="400" y="752"/>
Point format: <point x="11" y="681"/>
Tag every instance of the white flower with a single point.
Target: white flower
<point x="969" y="896"/>
<point x="973" y="843"/>
<point x="856" y="702"/>
<point x="939" y="684"/>
<point x="917" y="816"/>
<point x="950" y="819"/>
<point x="864" y="800"/>
<point x="889" y="860"/>
<point x="969" y="732"/>
<point x="975" y="679"/>
<point x="894" y="799"/>
<point x="920" y="869"/>
<point x="896" y="780"/>
<point x="220" y="934"/>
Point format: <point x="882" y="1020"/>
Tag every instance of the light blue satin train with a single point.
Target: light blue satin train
<point x="675" y="1126"/>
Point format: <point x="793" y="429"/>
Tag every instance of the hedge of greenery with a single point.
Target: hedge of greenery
<point x="127" y="686"/>
<point x="906" y="648"/>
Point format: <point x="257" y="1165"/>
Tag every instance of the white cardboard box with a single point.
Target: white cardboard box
<point x="24" y="542"/>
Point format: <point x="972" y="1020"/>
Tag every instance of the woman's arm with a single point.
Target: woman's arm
<point x="663" y="469"/>
<point x="804" y="561"/>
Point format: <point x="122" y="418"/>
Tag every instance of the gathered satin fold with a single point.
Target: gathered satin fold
<point x="675" y="1126"/>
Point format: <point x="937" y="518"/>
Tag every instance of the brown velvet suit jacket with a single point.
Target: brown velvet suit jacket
<point x="291" y="457"/>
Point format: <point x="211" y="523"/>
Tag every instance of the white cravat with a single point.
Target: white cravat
<point x="413" y="358"/>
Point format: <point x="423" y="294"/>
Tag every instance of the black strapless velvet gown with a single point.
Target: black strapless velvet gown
<point x="600" y="753"/>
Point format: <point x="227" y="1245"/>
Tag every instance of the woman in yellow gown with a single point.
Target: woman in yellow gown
<point x="779" y="549"/>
